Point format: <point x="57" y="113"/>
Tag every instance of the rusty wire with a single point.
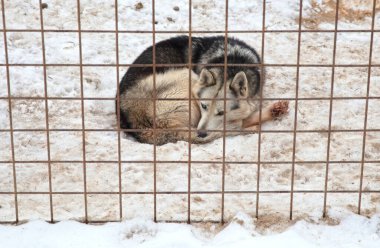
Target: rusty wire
<point x="366" y="107"/>
<point x="46" y="112"/>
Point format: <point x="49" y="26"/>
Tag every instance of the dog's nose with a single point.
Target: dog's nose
<point x="202" y="134"/>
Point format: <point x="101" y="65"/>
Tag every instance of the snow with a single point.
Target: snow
<point x="349" y="230"/>
<point x="137" y="178"/>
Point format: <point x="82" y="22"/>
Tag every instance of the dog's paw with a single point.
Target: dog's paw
<point x="279" y="108"/>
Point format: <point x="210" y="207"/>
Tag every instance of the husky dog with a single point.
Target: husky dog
<point x="172" y="108"/>
<point x="241" y="86"/>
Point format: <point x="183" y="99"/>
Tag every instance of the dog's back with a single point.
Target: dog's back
<point x="170" y="51"/>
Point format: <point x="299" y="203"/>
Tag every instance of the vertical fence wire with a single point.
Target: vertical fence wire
<point x="366" y="107"/>
<point x="154" y="110"/>
<point x="330" y="110"/>
<point x="11" y="132"/>
<point x="296" y="110"/>
<point x="224" y="106"/>
<point x="83" y="113"/>
<point x="46" y="110"/>
<point x="262" y="78"/>
<point x="118" y="108"/>
<point x="190" y="56"/>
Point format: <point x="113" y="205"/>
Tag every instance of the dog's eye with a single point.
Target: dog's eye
<point x="220" y="113"/>
<point x="204" y="106"/>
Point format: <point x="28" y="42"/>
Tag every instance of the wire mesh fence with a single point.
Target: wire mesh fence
<point x="101" y="187"/>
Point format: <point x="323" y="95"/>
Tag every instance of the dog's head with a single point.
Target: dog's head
<point x="210" y="93"/>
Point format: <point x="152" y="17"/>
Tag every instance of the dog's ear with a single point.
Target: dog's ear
<point x="206" y="78"/>
<point x="239" y="84"/>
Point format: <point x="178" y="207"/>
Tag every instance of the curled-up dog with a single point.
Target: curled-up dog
<point x="238" y="82"/>
<point x="169" y="114"/>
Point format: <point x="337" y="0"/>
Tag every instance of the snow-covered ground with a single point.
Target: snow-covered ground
<point x="101" y="81"/>
<point x="347" y="231"/>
